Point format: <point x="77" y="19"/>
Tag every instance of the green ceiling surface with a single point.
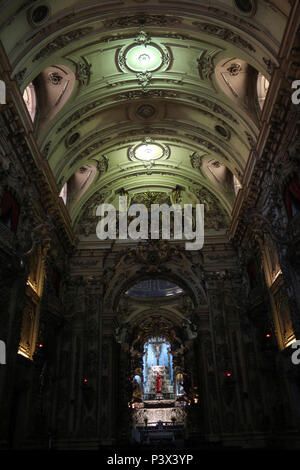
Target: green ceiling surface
<point x="180" y="76"/>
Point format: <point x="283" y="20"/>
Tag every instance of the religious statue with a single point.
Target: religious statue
<point x="190" y="329"/>
<point x="136" y="389"/>
<point x="157" y="349"/>
<point x="120" y="334"/>
<point x="158" y="383"/>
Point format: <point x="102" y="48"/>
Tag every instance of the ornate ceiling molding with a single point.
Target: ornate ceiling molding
<point x="108" y="110"/>
<point x="61" y="41"/>
<point x="98" y="105"/>
<point x="142" y="20"/>
<point x="225" y="34"/>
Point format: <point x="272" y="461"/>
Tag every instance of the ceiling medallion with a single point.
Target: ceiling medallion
<point x="71" y="139"/>
<point x="38" y="15"/>
<point x="224" y="132"/>
<point x="234" y="69"/>
<point x="146" y="111"/>
<point x="148" y="151"/>
<point x="55" y="78"/>
<point x="246" y="7"/>
<point x="143" y="56"/>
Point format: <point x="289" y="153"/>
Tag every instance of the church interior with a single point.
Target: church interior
<point x="141" y="342"/>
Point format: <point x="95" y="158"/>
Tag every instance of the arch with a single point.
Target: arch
<point x="237" y="79"/>
<point x="182" y="272"/>
<point x="220" y="176"/>
<point x="159" y="321"/>
<point x="78" y="184"/>
<point x="53" y="87"/>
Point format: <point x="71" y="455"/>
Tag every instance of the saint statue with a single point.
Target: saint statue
<point x="136" y="389"/>
<point x="157" y="352"/>
<point x="158" y="383"/>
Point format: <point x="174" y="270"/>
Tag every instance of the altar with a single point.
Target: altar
<point x="158" y="370"/>
<point x="158" y="406"/>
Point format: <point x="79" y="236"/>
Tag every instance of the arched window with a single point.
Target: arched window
<point x="154" y="288"/>
<point x="262" y="89"/>
<point x="29" y="97"/>
<point x="10" y="211"/>
<point x="292" y="197"/>
<point x="237" y="185"/>
<point x="64" y="193"/>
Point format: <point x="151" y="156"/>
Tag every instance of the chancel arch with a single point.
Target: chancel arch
<point x="158" y="343"/>
<point x="162" y="259"/>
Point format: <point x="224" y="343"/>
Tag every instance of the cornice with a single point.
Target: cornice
<point x="277" y="118"/>
<point x="44" y="179"/>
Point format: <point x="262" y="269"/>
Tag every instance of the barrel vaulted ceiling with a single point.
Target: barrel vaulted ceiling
<point x="153" y="99"/>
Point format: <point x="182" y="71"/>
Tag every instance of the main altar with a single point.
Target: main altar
<point x="159" y="407"/>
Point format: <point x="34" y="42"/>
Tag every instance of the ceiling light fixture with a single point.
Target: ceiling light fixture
<point x="144" y="58"/>
<point x="147" y="152"/>
<point x="143" y="55"/>
<point x="140" y="58"/>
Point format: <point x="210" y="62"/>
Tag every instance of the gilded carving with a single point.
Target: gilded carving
<point x="142" y="20"/>
<point x="83" y="72"/>
<point x="206" y="65"/>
